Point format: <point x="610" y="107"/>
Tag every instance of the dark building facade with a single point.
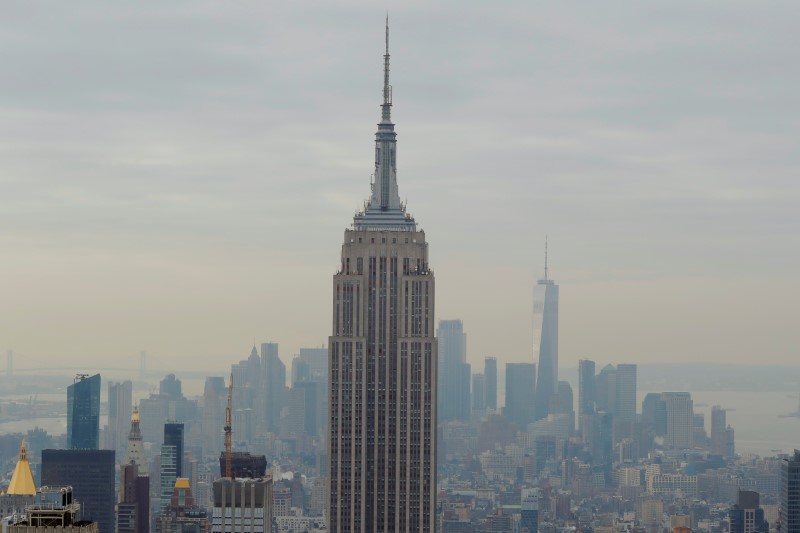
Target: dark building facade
<point x="790" y="494"/>
<point x="133" y="509"/>
<point x="83" y="413"/>
<point x="173" y="436"/>
<point x="747" y="516"/>
<point x="244" y="465"/>
<point x="91" y="475"/>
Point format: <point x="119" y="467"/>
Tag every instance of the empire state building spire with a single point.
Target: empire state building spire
<point x="384" y="211"/>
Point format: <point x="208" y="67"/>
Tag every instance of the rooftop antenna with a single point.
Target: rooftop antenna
<point x="229" y="431"/>
<point x="387" y="89"/>
<point x="545" y="258"/>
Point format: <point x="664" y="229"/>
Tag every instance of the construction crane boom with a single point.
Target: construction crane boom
<point x="229" y="431"/>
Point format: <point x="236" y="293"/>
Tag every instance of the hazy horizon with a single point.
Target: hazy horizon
<point x="178" y="177"/>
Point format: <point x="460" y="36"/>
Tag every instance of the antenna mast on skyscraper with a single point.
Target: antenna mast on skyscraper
<point x="229" y="431"/>
<point x="545" y="258"/>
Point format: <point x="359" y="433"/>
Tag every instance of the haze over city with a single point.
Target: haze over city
<point x="177" y="177"/>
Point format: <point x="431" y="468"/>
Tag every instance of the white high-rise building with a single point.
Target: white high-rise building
<point x="383" y="362"/>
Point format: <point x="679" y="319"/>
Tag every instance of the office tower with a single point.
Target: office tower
<point x="545" y="340"/>
<point x="747" y="516"/>
<point x="90" y="473"/>
<point x="54" y="509"/>
<point x="83" y="413"/>
<point x="603" y="443"/>
<point x="248" y="395"/>
<point x="383" y="362"/>
<point x="308" y="391"/>
<point x="680" y="419"/>
<point x="626" y="393"/>
<point x="310" y="369"/>
<point x="490" y="371"/>
<point x="789" y="521"/>
<point x="453" y="385"/>
<point x="654" y="413"/>
<point x="242" y="505"/>
<point x="314" y="361"/>
<point x="520" y="394"/>
<point x="215" y="396"/>
<point x="544" y="450"/>
<point x="274" y="376"/>
<point x="718" y="431"/>
<point x="293" y="419"/>
<point x="171" y="460"/>
<point x="529" y="509"/>
<point x="478" y="393"/>
<point x="133" y="509"/>
<point x="585" y="390"/>
<point x="182" y="515"/>
<point x="605" y="389"/>
<point x="120" y="402"/>
<point x="730" y="446"/>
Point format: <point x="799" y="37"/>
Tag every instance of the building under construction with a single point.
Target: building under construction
<point x="241" y="504"/>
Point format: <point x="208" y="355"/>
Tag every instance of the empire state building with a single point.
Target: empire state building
<point x="382" y="361"/>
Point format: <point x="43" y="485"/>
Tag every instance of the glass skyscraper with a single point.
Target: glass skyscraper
<point x="83" y="413"/>
<point x="790" y="494"/>
<point x="545" y="341"/>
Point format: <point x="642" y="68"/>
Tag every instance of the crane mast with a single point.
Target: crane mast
<point x="229" y="431"/>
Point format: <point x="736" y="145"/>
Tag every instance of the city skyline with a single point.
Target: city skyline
<point x="134" y="197"/>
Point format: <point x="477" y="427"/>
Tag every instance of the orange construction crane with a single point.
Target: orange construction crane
<point x="229" y="431"/>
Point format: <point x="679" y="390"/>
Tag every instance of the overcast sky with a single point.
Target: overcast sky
<point x="176" y="177"/>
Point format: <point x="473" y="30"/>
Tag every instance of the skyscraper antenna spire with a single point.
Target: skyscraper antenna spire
<point x="545" y="258"/>
<point x="387" y="89"/>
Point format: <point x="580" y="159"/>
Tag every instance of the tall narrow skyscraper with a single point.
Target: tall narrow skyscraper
<point x="120" y="396"/>
<point x="490" y="371"/>
<point x="454" y="372"/>
<point x="626" y="393"/>
<point x="586" y="369"/>
<point x="545" y="340"/>
<point x="274" y="379"/>
<point x="383" y="362"/>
